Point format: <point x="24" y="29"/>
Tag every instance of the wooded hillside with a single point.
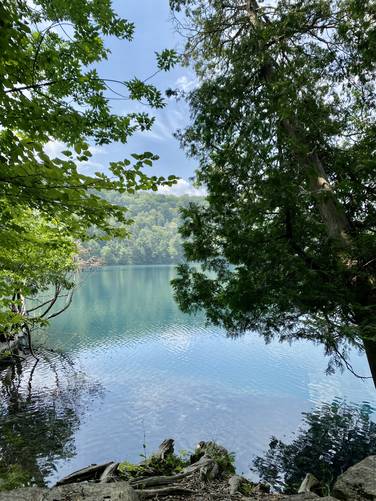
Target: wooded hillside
<point x="154" y="234"/>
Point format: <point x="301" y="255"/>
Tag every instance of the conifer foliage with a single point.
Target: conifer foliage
<point x="283" y="126"/>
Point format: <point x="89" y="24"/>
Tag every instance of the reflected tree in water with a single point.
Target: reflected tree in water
<point x="40" y="408"/>
<point x="333" y="437"/>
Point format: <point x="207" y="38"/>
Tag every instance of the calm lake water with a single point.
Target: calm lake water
<point x="136" y="370"/>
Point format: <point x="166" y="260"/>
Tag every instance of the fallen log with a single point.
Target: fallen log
<point x="159" y="480"/>
<point x="203" y="462"/>
<point x="166" y="491"/>
<point x="108" y="473"/>
<point x="92" y="472"/>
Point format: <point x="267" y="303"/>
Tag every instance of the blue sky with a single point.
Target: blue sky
<point x="155" y="31"/>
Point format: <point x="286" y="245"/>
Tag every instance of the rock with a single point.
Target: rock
<point x="358" y="483"/>
<point x="234" y="484"/>
<point x="242" y="485"/>
<point x="119" y="491"/>
<point x="26" y="494"/>
<point x="328" y="498"/>
<point x="307" y="496"/>
<point x="259" y="488"/>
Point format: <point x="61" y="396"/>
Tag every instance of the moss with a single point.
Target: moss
<point x="130" y="470"/>
<point x="169" y="465"/>
<point x="153" y="466"/>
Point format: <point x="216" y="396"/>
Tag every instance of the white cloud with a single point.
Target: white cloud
<point x="54" y="149"/>
<point x="166" y="123"/>
<point x="160" y="131"/>
<point x="182" y="187"/>
<point x="186" y="84"/>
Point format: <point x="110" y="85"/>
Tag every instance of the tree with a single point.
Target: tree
<point x="51" y="91"/>
<point x="334" y="437"/>
<point x="36" y="256"/>
<point x="283" y="125"/>
<point x="154" y="232"/>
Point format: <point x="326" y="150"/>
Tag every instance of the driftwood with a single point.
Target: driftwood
<point x="203" y="461"/>
<point x="209" y="472"/>
<point x="165" y="449"/>
<point x="92" y="472"/>
<point x="235" y="483"/>
<point x="166" y="491"/>
<point x="159" y="480"/>
<point x="308" y="483"/>
<point x="202" y="464"/>
<point x="205" y="466"/>
<point x="108" y="473"/>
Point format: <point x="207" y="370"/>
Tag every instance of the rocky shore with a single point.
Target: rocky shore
<point x="206" y="475"/>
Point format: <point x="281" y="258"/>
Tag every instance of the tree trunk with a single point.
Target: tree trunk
<point x="370" y="349"/>
<point x="332" y="213"/>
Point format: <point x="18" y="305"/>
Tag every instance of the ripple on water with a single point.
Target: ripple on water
<point x="165" y="374"/>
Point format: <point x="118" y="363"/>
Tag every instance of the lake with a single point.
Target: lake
<point x="135" y="370"/>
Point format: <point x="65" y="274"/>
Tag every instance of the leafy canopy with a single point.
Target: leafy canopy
<point x="154" y="231"/>
<point x="51" y="91"/>
<point x="283" y="126"/>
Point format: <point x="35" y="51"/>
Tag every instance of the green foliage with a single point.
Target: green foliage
<point x="168" y="466"/>
<point x="154" y="236"/>
<point x="224" y="459"/>
<point x="153" y="465"/>
<point x="333" y="438"/>
<point x="167" y="59"/>
<point x="283" y="127"/>
<point x="127" y="469"/>
<point x="51" y="92"/>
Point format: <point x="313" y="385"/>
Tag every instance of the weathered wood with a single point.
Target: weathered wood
<point x="108" y="473"/>
<point x="166" y="491"/>
<point x="209" y="472"/>
<point x="92" y="472"/>
<point x="204" y="461"/>
<point x="159" y="480"/>
<point x="308" y="482"/>
<point x="235" y="483"/>
<point x="165" y="449"/>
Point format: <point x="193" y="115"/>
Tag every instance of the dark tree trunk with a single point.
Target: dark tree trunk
<point x="370" y="349"/>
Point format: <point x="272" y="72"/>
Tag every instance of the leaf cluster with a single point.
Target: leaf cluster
<point x="52" y="93"/>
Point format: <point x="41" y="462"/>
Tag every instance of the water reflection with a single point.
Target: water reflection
<point x="331" y="439"/>
<point x="41" y="406"/>
<point x="161" y="372"/>
<point x="171" y="375"/>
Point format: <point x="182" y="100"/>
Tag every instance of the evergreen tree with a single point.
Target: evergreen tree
<point x="283" y="125"/>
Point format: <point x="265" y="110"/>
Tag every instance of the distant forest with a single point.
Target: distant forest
<point x="154" y="234"/>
